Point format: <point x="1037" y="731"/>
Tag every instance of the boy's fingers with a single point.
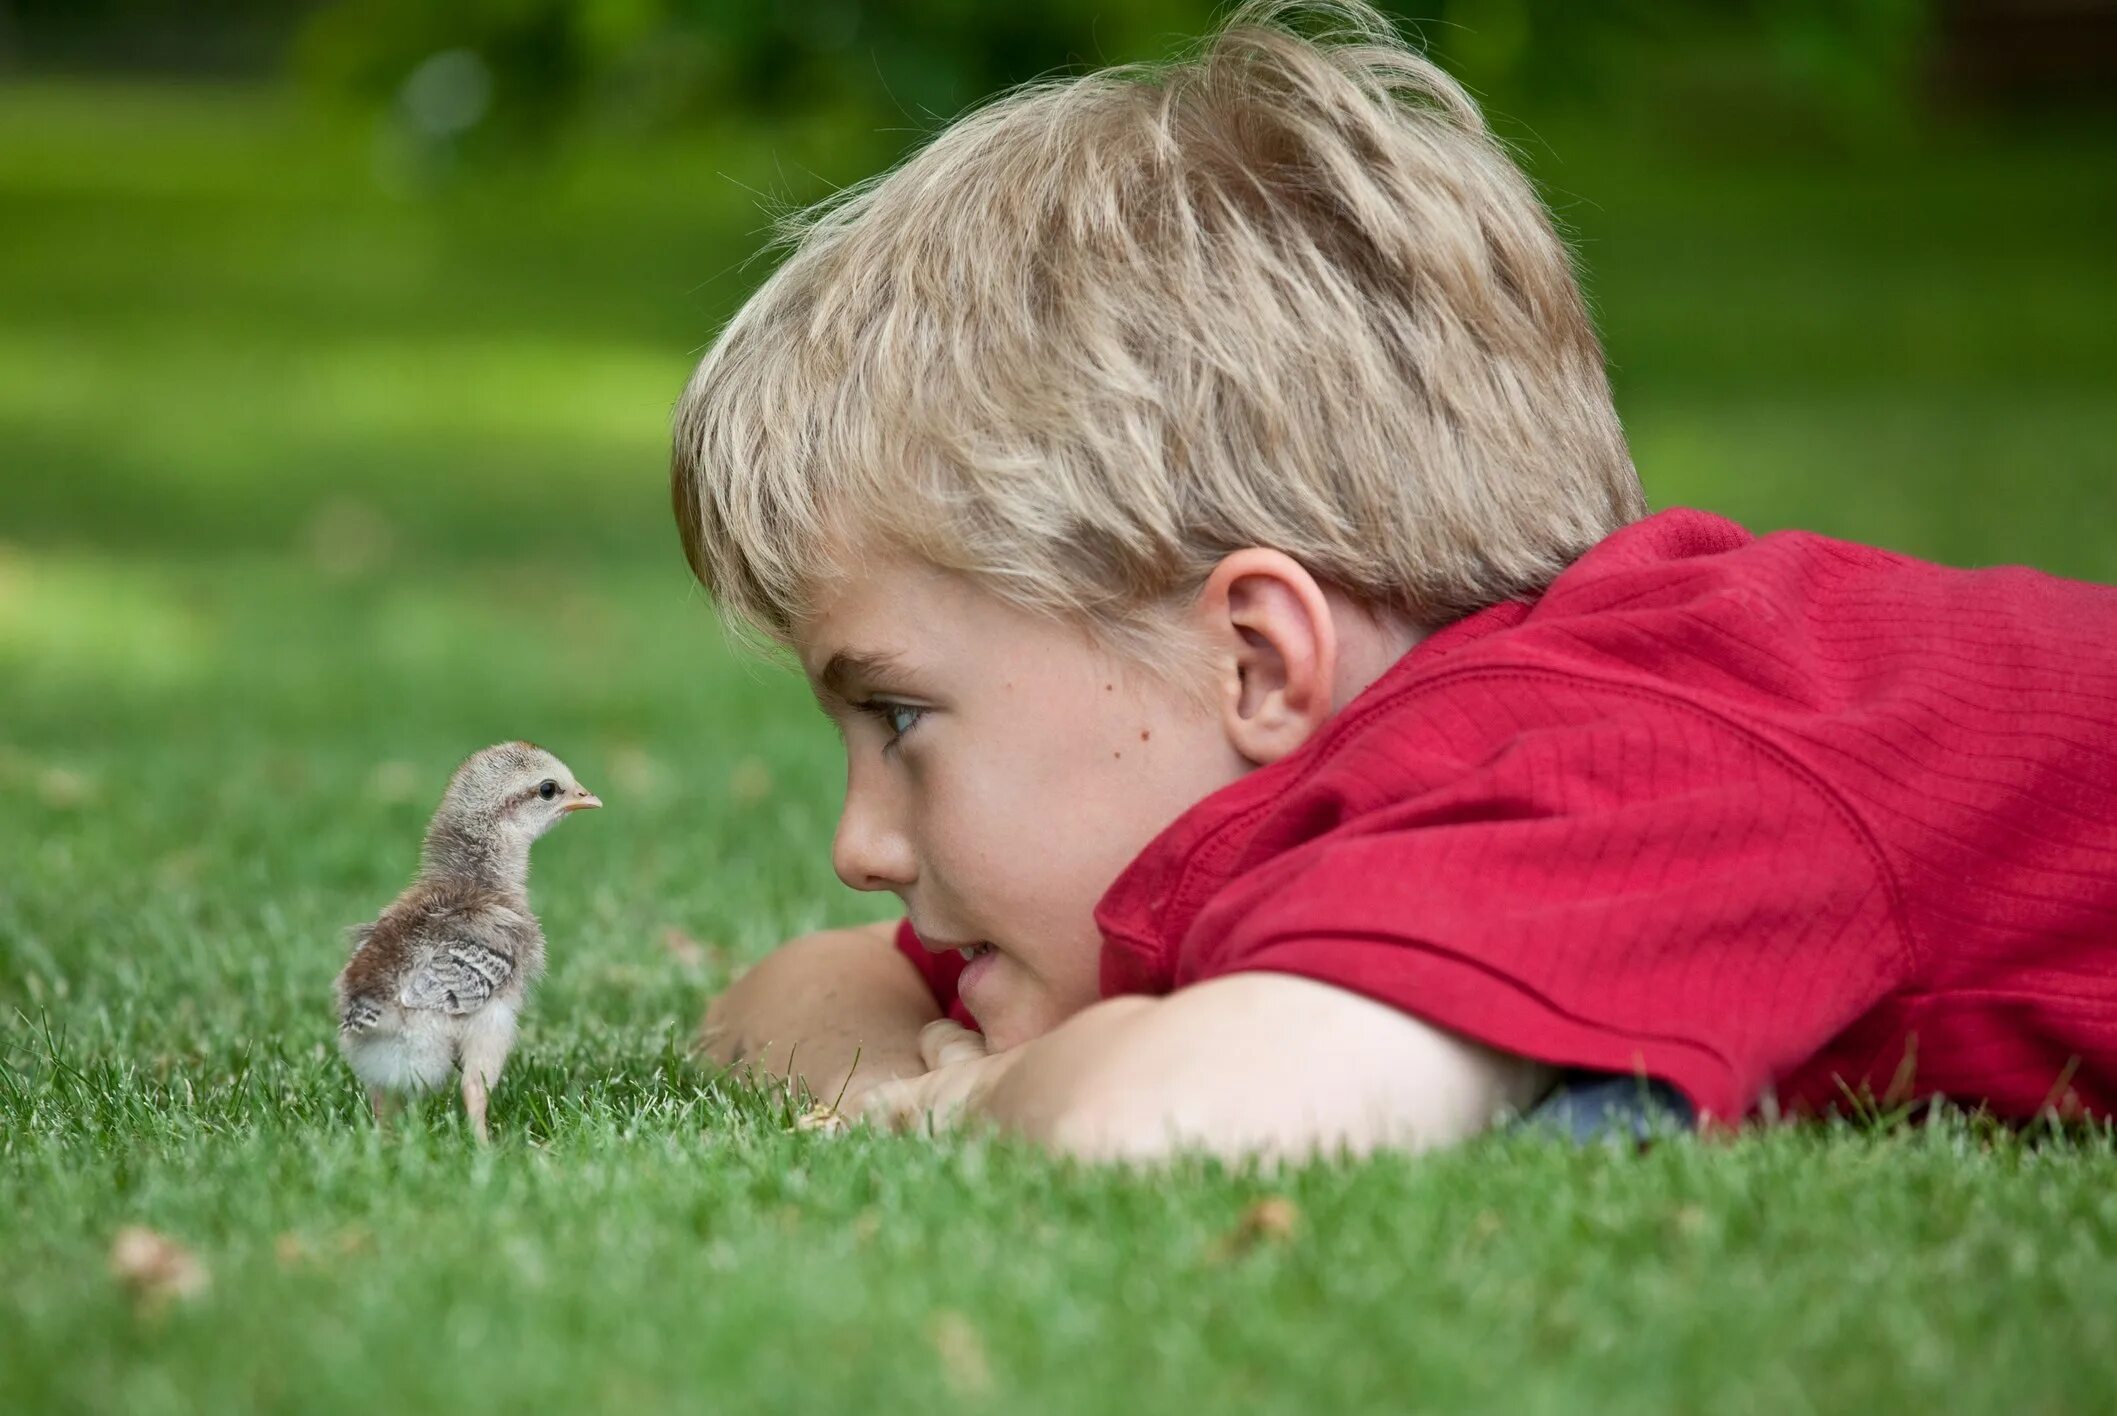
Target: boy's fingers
<point x="889" y="1105"/>
<point x="945" y="1042"/>
<point x="903" y="1106"/>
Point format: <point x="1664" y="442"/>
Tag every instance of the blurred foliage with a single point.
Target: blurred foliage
<point x="483" y="76"/>
<point x="149" y="36"/>
<point x="456" y="83"/>
<point x="550" y="65"/>
<point x="218" y="333"/>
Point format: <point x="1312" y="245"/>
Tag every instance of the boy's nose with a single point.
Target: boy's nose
<point x="868" y="852"/>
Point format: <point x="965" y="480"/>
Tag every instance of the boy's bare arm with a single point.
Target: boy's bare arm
<point x="819" y="1001"/>
<point x="1251" y="1064"/>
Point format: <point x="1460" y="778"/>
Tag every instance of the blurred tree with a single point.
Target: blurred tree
<point x="161" y="36"/>
<point x="551" y="65"/>
<point x="457" y="79"/>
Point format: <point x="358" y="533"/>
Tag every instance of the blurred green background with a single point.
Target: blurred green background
<point x="378" y="284"/>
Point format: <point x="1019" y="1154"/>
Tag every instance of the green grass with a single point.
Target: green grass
<point x="306" y="490"/>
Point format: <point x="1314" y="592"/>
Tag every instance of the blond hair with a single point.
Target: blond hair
<point x="1286" y="291"/>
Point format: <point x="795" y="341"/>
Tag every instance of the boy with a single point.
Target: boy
<point x="1195" y="495"/>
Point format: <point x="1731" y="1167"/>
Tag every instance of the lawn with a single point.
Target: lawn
<point x="308" y="487"/>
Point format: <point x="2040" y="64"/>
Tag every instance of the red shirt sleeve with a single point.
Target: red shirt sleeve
<point x="940" y="970"/>
<point x="1631" y="885"/>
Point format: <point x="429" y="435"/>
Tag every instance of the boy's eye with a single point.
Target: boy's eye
<point x="899" y="718"/>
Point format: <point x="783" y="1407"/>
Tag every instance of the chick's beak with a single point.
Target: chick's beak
<point x="582" y="800"/>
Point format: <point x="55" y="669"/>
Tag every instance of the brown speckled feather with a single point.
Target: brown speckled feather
<point x="445" y="944"/>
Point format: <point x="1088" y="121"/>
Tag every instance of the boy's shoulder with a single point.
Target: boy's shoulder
<point x="1776" y="637"/>
<point x="1686" y="690"/>
<point x="1688" y="813"/>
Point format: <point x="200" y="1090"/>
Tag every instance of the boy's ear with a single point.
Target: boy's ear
<point x="1274" y="647"/>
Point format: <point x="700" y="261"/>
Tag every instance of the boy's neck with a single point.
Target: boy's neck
<point x="1370" y="642"/>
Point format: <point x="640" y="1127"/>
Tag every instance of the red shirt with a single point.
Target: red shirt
<point x="1775" y="820"/>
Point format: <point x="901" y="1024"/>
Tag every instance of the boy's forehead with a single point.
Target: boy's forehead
<point x="896" y="620"/>
<point x="881" y="604"/>
<point x="872" y="616"/>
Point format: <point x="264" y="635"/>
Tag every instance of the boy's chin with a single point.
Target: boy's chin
<point x="1014" y="1005"/>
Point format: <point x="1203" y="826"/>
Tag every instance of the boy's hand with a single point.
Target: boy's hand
<point x="961" y="1070"/>
<point x="815" y="1005"/>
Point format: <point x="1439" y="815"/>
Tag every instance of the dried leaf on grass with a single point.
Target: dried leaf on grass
<point x="1270" y="1220"/>
<point x="822" y="1117"/>
<point x="687" y="951"/>
<point x="154" y="1267"/>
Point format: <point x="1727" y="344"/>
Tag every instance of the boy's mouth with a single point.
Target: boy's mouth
<point x="942" y="945"/>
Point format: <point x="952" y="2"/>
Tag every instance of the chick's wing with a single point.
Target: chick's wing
<point x="455" y="976"/>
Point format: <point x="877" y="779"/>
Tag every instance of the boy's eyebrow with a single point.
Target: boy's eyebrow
<point x="850" y="666"/>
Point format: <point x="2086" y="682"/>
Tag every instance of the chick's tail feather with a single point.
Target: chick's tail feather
<point x="360" y="1015"/>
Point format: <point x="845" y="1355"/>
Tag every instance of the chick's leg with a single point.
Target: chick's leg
<point x="476" y="1088"/>
<point x="383" y="1104"/>
<point x="485" y="1049"/>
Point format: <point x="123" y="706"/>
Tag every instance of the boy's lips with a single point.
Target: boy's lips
<point x="980" y="957"/>
<point x="970" y="982"/>
<point x="968" y="948"/>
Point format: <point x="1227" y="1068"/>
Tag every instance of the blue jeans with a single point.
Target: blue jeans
<point x="1589" y="1106"/>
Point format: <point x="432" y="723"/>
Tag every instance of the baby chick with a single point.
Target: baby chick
<point x="437" y="980"/>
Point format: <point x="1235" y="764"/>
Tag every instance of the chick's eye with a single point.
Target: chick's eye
<point x="547" y="789"/>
